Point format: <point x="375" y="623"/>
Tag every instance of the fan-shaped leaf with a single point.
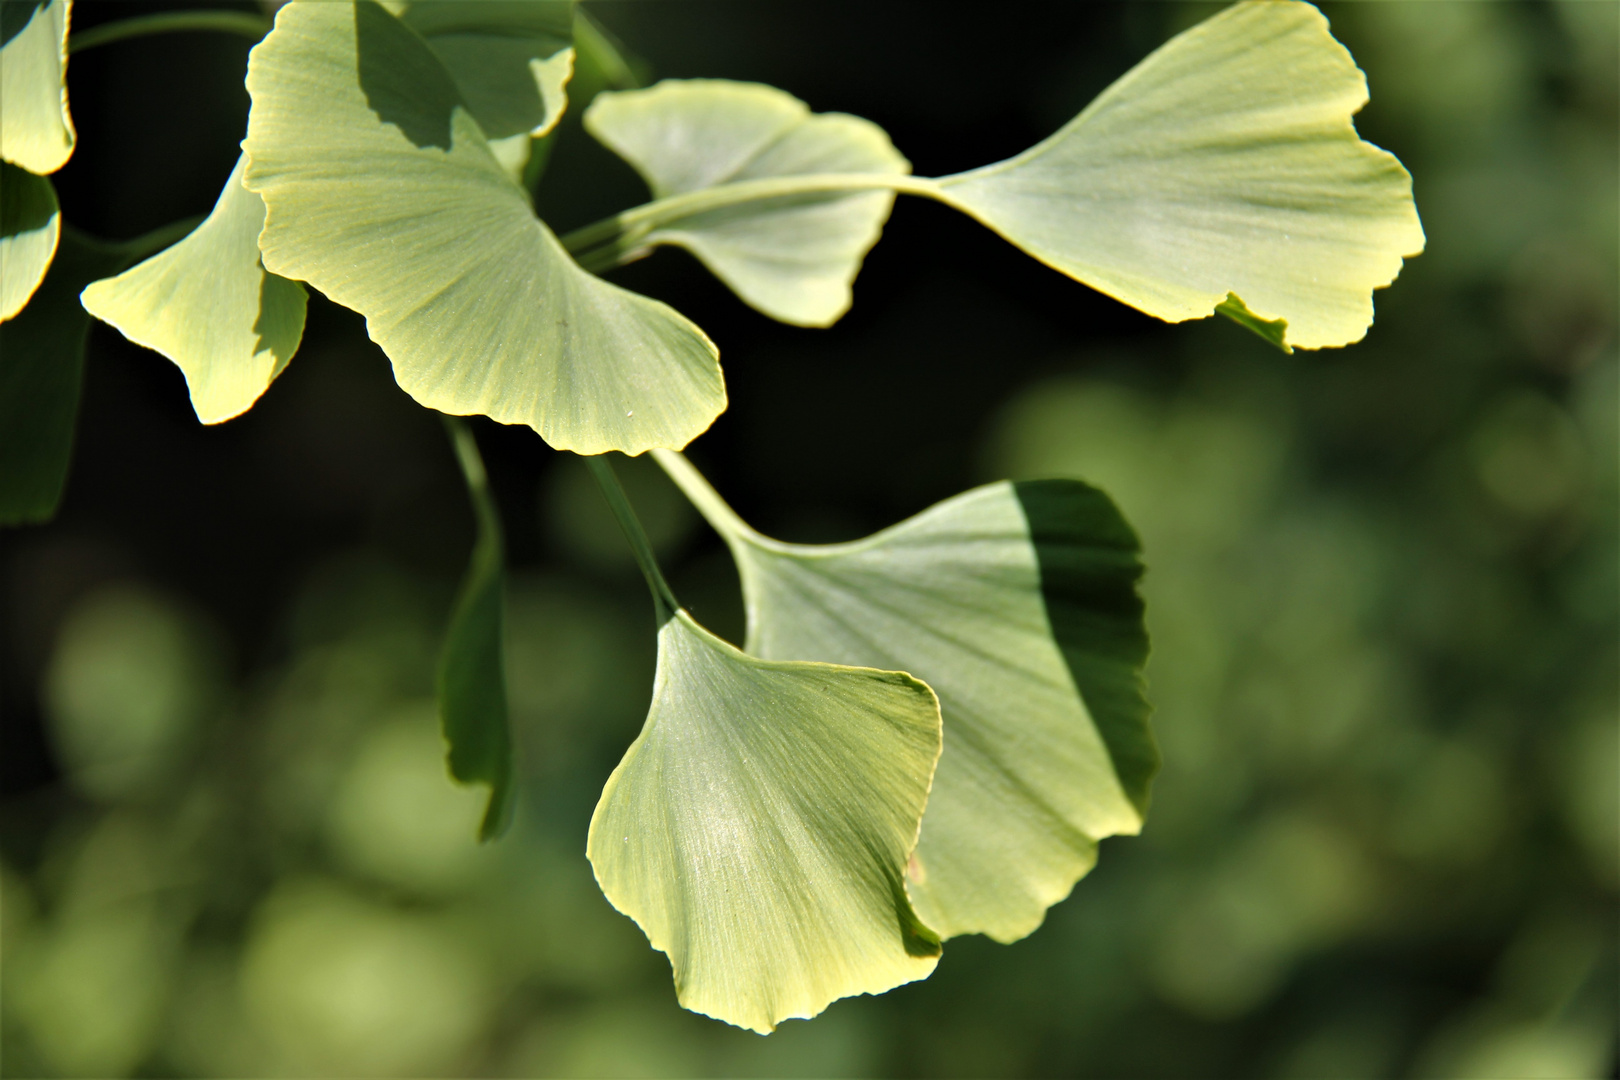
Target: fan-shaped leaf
<point x="30" y="224"/>
<point x="759" y="826"/>
<point x="1017" y="604"/>
<point x="208" y="304"/>
<point x="1224" y="163"/>
<point x="41" y="368"/>
<point x="381" y="191"/>
<point x="792" y="257"/>
<point x="472" y="670"/>
<point x="36" y="131"/>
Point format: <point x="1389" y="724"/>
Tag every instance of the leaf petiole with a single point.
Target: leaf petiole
<point x="170" y="22"/>
<point x="611" y="241"/>
<point x="664" y="603"/>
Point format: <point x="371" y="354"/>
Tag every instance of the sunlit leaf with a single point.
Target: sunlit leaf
<point x="41" y="367"/>
<point x="208" y="304"/>
<point x="381" y="191"/>
<point x="30" y="224"/>
<point x="472" y="675"/>
<point x="758" y="828"/>
<point x="1017" y="604"/>
<point x="36" y="131"/>
<point x="1224" y="163"/>
<point x="792" y="257"/>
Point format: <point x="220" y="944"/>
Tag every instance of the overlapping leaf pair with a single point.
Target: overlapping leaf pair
<point x="931" y="729"/>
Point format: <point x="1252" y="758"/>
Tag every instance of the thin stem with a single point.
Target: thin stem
<point x="622" y="233"/>
<point x="664" y="601"/>
<point x="169" y="22"/>
<point x="598" y="47"/>
<point x="697" y="489"/>
<point x="489" y="542"/>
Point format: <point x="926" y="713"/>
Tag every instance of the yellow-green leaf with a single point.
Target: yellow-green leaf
<point x="1017" y="604"/>
<point x="30" y="225"/>
<point x="208" y="304"/>
<point x="381" y="191"/>
<point x="1225" y="163"/>
<point x="758" y="828"/>
<point x="793" y="257"/>
<point x="36" y="131"/>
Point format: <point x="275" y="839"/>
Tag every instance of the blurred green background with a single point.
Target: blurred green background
<point x="1382" y="590"/>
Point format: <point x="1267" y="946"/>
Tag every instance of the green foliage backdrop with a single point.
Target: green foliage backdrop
<point x="1381" y="590"/>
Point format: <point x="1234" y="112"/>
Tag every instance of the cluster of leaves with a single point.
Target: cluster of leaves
<point x="928" y="731"/>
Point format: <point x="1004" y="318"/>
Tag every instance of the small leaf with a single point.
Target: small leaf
<point x="36" y="131"/>
<point x="381" y="191"/>
<point x="208" y="304"/>
<point x="472" y="673"/>
<point x="759" y="826"/>
<point x="1017" y="604"/>
<point x="41" y="368"/>
<point x="511" y="59"/>
<point x="1225" y="164"/>
<point x="30" y="224"/>
<point x="792" y="257"/>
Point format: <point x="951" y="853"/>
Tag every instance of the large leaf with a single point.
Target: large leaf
<point x="41" y="369"/>
<point x="758" y="828"/>
<point x="472" y="671"/>
<point x="1018" y="605"/>
<point x="381" y="191"/>
<point x="1221" y="172"/>
<point x="36" y="131"/>
<point x="792" y="257"/>
<point x="30" y="224"/>
<point x="208" y="304"/>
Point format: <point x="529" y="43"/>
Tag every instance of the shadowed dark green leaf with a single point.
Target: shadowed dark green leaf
<point x="1224" y="165"/>
<point x="36" y="131"/>
<point x="1018" y="605"/>
<point x="208" y="304"/>
<point x="792" y="257"/>
<point x="30" y="224"/>
<point x="41" y="368"/>
<point x="472" y="674"/>
<point x="758" y="829"/>
<point x="382" y="192"/>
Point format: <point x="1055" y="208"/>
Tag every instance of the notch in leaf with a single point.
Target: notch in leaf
<point x="1222" y="173"/>
<point x="381" y="191"/>
<point x="209" y="305"/>
<point x="1017" y="603"/>
<point x="792" y="257"/>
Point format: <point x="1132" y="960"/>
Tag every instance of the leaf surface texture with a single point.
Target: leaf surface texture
<point x="758" y="828"/>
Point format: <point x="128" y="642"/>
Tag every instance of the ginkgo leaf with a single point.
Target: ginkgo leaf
<point x="1017" y="603"/>
<point x="36" y="131"/>
<point x="1226" y="163"/>
<point x="758" y="828"/>
<point x="792" y="257"/>
<point x="511" y="59"/>
<point x="381" y="191"/>
<point x="208" y="304"/>
<point x="41" y="369"/>
<point x="472" y="671"/>
<point x="30" y="224"/>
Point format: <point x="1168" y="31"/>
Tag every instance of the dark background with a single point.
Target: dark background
<point x="1382" y="587"/>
